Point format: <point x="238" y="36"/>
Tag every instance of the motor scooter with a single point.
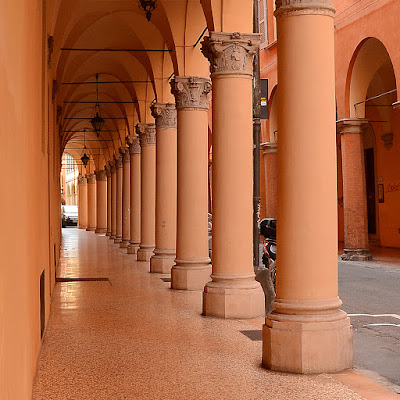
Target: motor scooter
<point x="268" y="230"/>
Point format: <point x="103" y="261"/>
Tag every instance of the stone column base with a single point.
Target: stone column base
<point x="118" y="239"/>
<point x="100" y="230"/>
<point x="190" y="274"/>
<point x="307" y="343"/>
<point x="144" y="253"/>
<point x="108" y="233"/>
<point x="82" y="227"/>
<point x="233" y="297"/>
<point x="91" y="228"/>
<point x="112" y="236"/>
<point x="132" y="248"/>
<point x="356" y="255"/>
<point x="162" y="261"/>
<point x="124" y="244"/>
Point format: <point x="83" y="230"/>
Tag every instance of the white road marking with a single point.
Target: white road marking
<point x="375" y="315"/>
<point x="398" y="325"/>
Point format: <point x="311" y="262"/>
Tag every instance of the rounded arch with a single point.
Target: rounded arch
<point x="273" y="114"/>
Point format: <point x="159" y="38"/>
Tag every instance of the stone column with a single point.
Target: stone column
<point x="82" y="202"/>
<point x="147" y="134"/>
<point x="126" y="198"/>
<point x="166" y="154"/>
<point x="118" y="211"/>
<point x="271" y="177"/>
<point x="91" y="196"/>
<point x="109" y="199"/>
<point x="356" y="246"/>
<point x="192" y="267"/>
<point x="233" y="291"/>
<point x="113" y="200"/>
<point x="101" y="197"/>
<point x="134" y="150"/>
<point x="306" y="332"/>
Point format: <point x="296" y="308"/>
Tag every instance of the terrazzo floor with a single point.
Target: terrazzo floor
<point x="132" y="337"/>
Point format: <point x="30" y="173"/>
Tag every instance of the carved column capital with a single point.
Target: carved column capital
<point x="191" y="92"/>
<point x="91" y="178"/>
<point x="113" y="168"/>
<point x="285" y="8"/>
<point x="345" y="126"/>
<point x="134" y="144"/>
<point x="165" y="115"/>
<point x="230" y="54"/>
<point x="107" y="168"/>
<point x="82" y="181"/>
<point x="147" y="134"/>
<point x="101" y="175"/>
<point x="118" y="160"/>
<point x="127" y="155"/>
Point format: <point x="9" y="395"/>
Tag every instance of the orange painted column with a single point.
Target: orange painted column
<point x="134" y="237"/>
<point x="147" y="134"/>
<point x="192" y="267"/>
<point x="91" y="196"/>
<point x="101" y="201"/>
<point x="306" y="332"/>
<point x="82" y="202"/>
<point x="166" y="154"/>
<point x="271" y="177"/>
<point x="118" y="211"/>
<point x="233" y="291"/>
<point x="109" y="197"/>
<point x="113" y="200"/>
<point x="126" y="198"/>
<point x="356" y="246"/>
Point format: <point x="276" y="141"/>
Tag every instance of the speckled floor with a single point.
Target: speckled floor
<point x="135" y="338"/>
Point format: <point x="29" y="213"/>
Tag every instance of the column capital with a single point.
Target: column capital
<point x="126" y="156"/>
<point x="165" y="115"/>
<point x="107" y="168"/>
<point x="113" y="168"/>
<point x="82" y="181"/>
<point x="191" y="92"/>
<point x="349" y="125"/>
<point x="147" y="134"/>
<point x="269" y="147"/>
<point x="230" y="54"/>
<point x="101" y="175"/>
<point x="91" y="178"/>
<point x="118" y="160"/>
<point x="286" y="8"/>
<point x="134" y="144"/>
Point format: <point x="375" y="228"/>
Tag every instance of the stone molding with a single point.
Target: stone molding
<point x="269" y="147"/>
<point x="101" y="175"/>
<point x="82" y="181"/>
<point x="165" y="115"/>
<point x="147" y="134"/>
<point x="118" y="160"/>
<point x="230" y="54"/>
<point x="345" y="126"/>
<point x="134" y="144"/>
<point x="91" y="178"/>
<point x="191" y="92"/>
<point x="287" y="8"/>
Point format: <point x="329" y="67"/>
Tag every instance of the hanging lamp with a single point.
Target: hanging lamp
<point x="84" y="158"/>
<point x="97" y="121"/>
<point x="148" y="6"/>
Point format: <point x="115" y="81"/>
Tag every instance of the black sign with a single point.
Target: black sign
<point x="264" y="98"/>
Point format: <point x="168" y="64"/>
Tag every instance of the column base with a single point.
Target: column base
<point x="190" y="274"/>
<point x="307" y="343"/>
<point x="100" y="230"/>
<point x="112" y="236"/>
<point x="91" y="228"/>
<point x="144" y="253"/>
<point x="356" y="255"/>
<point x="108" y="233"/>
<point x="118" y="239"/>
<point x="82" y="227"/>
<point x="124" y="244"/>
<point x="230" y="296"/>
<point x="162" y="261"/>
<point x="133" y="248"/>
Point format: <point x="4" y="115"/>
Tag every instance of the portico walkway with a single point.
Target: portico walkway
<point x="133" y="338"/>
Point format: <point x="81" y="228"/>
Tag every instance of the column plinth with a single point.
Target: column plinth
<point x="233" y="291"/>
<point x="109" y="199"/>
<point x="166" y="160"/>
<point x="134" y="150"/>
<point x="118" y="209"/>
<point x="113" y="200"/>
<point x="91" y="189"/>
<point x="356" y="246"/>
<point x="147" y="135"/>
<point x="306" y="332"/>
<point x="126" y="217"/>
<point x="101" y="201"/>
<point x="82" y="202"/>
<point x="192" y="270"/>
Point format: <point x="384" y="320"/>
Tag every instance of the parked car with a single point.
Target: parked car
<point x="69" y="215"/>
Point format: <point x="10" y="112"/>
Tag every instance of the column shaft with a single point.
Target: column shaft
<point x="271" y="178"/>
<point x="126" y="197"/>
<point x="118" y="164"/>
<point x="192" y="267"/>
<point x="166" y="160"/>
<point x="109" y="200"/>
<point x="113" y="200"/>
<point x="91" y="196"/>
<point x="306" y="333"/>
<point x="101" y="201"/>
<point x="82" y="202"/>
<point x="148" y="190"/>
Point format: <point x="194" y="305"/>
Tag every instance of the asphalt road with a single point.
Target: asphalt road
<point x="371" y="296"/>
